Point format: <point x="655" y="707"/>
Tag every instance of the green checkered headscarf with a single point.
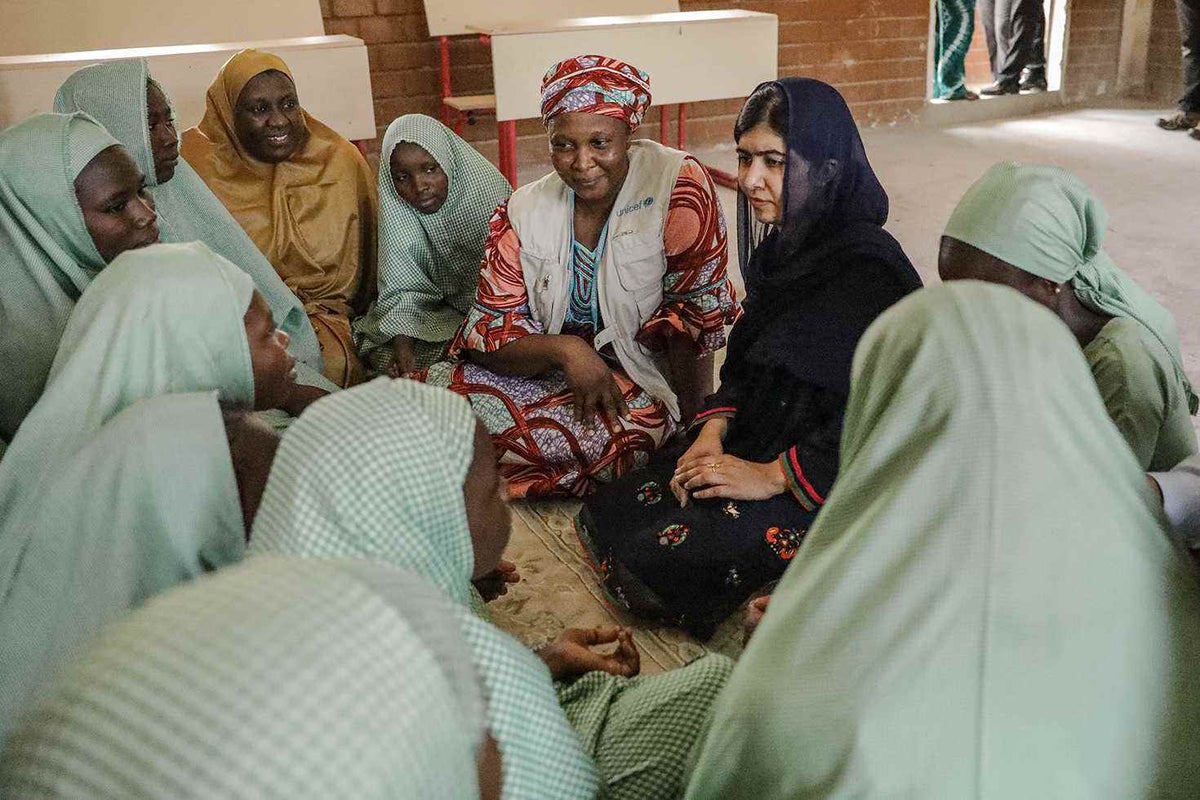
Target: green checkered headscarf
<point x="429" y="263"/>
<point x="278" y="678"/>
<point x="989" y="604"/>
<point x="47" y="257"/>
<point x="115" y="94"/>
<point x="1046" y="221"/>
<point x="377" y="472"/>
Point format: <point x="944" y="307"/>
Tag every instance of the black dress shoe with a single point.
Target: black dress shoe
<point x="1033" y="85"/>
<point x="997" y="89"/>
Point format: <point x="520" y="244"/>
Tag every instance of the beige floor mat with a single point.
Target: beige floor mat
<point x="559" y="589"/>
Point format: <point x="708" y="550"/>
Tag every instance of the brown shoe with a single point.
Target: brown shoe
<point x="1195" y="134"/>
<point x="1180" y="121"/>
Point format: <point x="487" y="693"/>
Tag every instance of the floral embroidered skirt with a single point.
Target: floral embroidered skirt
<point x="689" y="566"/>
<point x="543" y="451"/>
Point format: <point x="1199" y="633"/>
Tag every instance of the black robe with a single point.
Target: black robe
<point x="815" y="283"/>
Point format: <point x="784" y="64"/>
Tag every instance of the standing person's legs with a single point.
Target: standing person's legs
<point x="1188" y="115"/>
<point x="955" y="27"/>
<point x="1034" y="75"/>
<point x="987" y="15"/>
<point x="1018" y="23"/>
<point x="1007" y="64"/>
<point x="1189" y="31"/>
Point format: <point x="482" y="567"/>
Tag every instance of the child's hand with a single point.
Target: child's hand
<point x="571" y="654"/>
<point x="404" y="357"/>
<point x="495" y="583"/>
<point x="754" y="616"/>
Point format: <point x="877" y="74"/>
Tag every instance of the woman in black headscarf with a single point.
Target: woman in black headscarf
<point x="819" y="268"/>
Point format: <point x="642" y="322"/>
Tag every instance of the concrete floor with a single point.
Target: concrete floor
<point x="1147" y="178"/>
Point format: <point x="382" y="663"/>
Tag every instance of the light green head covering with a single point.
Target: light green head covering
<point x="1045" y="221"/>
<point x="988" y="605"/>
<point x="115" y="94"/>
<point x="280" y="678"/>
<point x="377" y="472"/>
<point x="149" y="501"/>
<point x="429" y="263"/>
<point x="164" y="318"/>
<point x="47" y="257"/>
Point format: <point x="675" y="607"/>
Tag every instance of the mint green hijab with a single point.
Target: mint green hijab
<point x="989" y="605"/>
<point x="1046" y="221"/>
<point x="162" y="319"/>
<point x="377" y="472"/>
<point x="281" y="678"/>
<point x="114" y="93"/>
<point x="149" y="501"/>
<point x="429" y="263"/>
<point x="47" y="257"/>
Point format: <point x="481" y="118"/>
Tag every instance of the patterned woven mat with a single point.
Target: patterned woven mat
<point x="559" y="589"/>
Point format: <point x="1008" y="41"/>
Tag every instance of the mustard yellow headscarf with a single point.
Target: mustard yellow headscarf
<point x="313" y="216"/>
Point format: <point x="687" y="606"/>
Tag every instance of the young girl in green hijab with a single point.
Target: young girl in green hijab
<point x="71" y="200"/>
<point x="120" y="482"/>
<point x="436" y="195"/>
<point x="1040" y="231"/>
<point x="988" y="606"/>
<point x="401" y="472"/>
<point x="279" y="679"/>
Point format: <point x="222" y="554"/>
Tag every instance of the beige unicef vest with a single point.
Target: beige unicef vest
<point x="630" y="274"/>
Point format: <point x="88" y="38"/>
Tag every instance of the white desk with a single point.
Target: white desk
<point x="57" y="26"/>
<point x="691" y="56"/>
<point x="332" y="77"/>
<point x="460" y="17"/>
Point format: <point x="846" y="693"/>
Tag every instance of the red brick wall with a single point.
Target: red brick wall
<point x="1165" y="69"/>
<point x="1093" y="48"/>
<point x="874" y="51"/>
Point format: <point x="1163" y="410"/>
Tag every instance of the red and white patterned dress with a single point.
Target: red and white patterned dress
<point x="543" y="451"/>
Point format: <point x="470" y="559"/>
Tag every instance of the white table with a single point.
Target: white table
<point x="691" y="56"/>
<point x="332" y="78"/>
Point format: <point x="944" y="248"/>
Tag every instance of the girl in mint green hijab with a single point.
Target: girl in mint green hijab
<point x="47" y="251"/>
<point x="279" y="679"/>
<point x="401" y="472"/>
<point x="989" y="605"/>
<point x="1039" y="230"/>
<point x="122" y="96"/>
<point x="105" y="501"/>
<point x="436" y="195"/>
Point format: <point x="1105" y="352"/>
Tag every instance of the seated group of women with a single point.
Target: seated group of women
<point x="977" y="592"/>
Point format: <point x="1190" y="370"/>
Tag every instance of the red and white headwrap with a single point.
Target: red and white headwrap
<point x="596" y="85"/>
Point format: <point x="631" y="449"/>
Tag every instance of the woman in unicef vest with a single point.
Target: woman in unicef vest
<point x="602" y="295"/>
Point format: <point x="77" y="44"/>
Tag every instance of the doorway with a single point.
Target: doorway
<point x="978" y="68"/>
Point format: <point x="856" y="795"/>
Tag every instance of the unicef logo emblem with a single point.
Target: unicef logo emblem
<point x="638" y="206"/>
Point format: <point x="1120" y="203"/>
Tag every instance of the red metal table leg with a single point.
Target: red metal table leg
<point x="444" y="47"/>
<point x="681" y="126"/>
<point x="662" y="125"/>
<point x="507" y="141"/>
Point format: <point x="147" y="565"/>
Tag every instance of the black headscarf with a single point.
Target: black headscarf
<point x="814" y="282"/>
